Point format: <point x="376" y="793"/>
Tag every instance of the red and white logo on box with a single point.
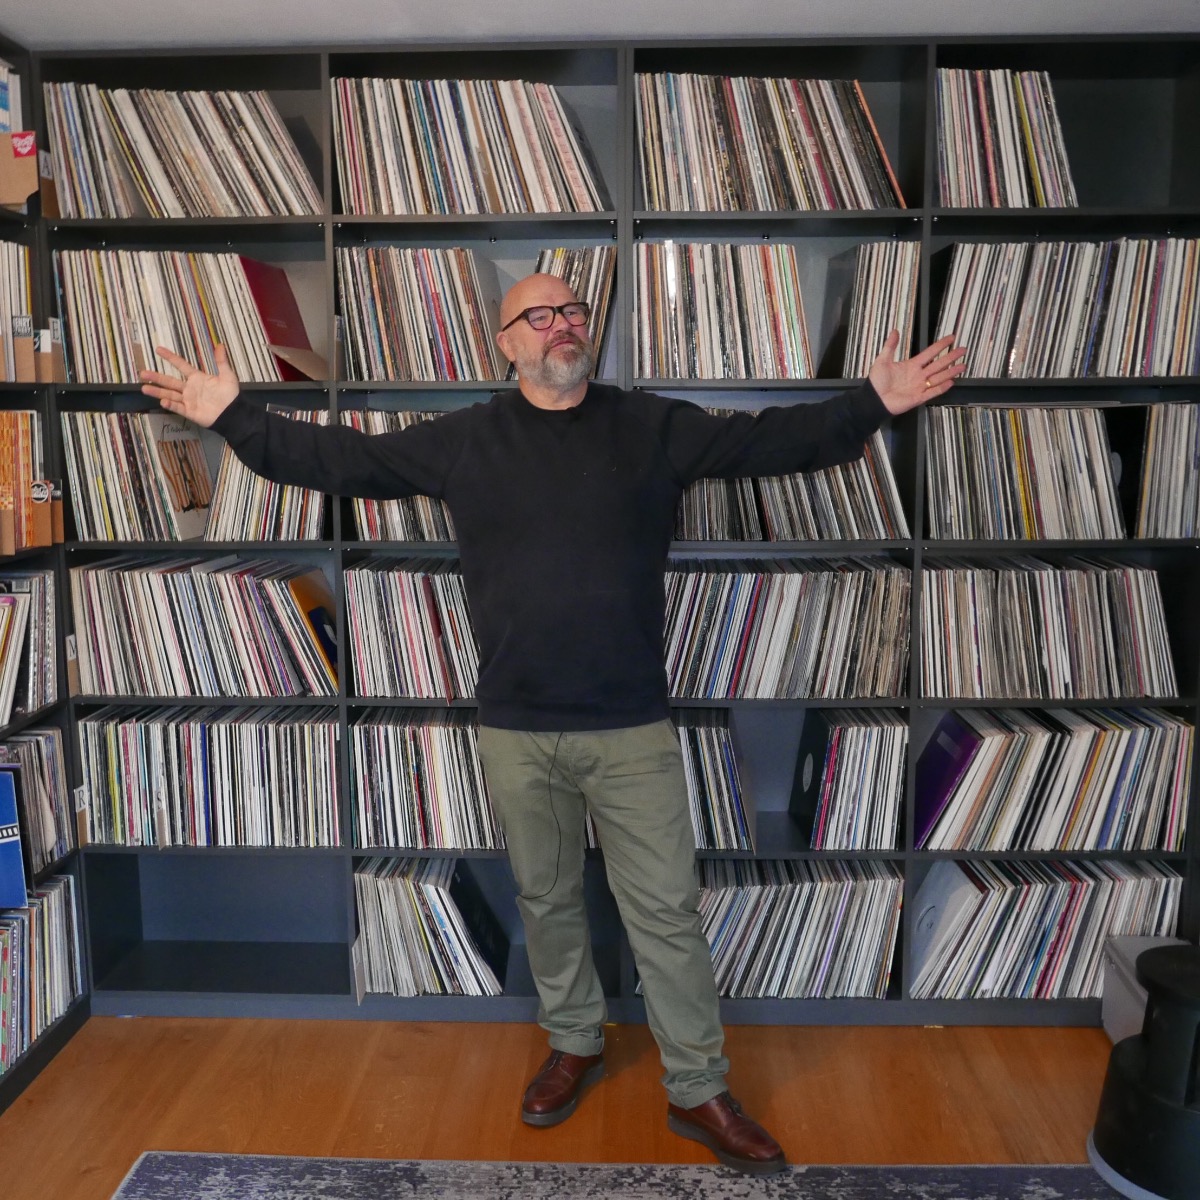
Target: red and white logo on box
<point x="23" y="144"/>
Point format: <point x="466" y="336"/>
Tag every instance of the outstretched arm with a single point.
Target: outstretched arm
<point x="329" y="458"/>
<point x="807" y="437"/>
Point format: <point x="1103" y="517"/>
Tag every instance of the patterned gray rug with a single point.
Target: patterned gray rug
<point x="160" y="1175"/>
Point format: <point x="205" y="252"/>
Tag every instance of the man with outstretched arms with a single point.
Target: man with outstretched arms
<point x="563" y="494"/>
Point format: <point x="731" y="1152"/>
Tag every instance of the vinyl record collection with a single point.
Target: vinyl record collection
<point x="16" y="301"/>
<point x="416" y="781"/>
<point x="411" y="518"/>
<point x="22" y="467"/>
<point x="1169" y="500"/>
<point x="722" y="143"/>
<point x="787" y="629"/>
<point x="414" y="937"/>
<point x="996" y="473"/>
<point x="718" y="812"/>
<point x="588" y="271"/>
<point x="1044" y="310"/>
<point x="118" y="305"/>
<point x="247" y="507"/>
<point x="209" y="700"/>
<point x="1000" y="142"/>
<point x="203" y="627"/>
<point x="884" y="298"/>
<point x="707" y="310"/>
<point x="800" y="928"/>
<point x="849" y="788"/>
<point x="17" y="646"/>
<point x="855" y="500"/>
<point x="410" y="630"/>
<point x="28" y="642"/>
<point x="418" y="146"/>
<point x="211" y="776"/>
<point x="1059" y="779"/>
<point x="1032" y="930"/>
<point x="12" y="119"/>
<point x="41" y="971"/>
<point x="725" y="509"/>
<point x="418" y="313"/>
<point x="119" y="152"/>
<point x="135" y="476"/>
<point x="1021" y="627"/>
<point x="36" y="758"/>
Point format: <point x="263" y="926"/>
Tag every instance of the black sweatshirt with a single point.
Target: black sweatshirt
<point x="564" y="519"/>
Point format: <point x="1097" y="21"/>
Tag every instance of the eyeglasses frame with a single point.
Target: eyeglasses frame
<point x="556" y="310"/>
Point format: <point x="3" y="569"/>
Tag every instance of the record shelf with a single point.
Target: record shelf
<point x="23" y="228"/>
<point x="209" y="931"/>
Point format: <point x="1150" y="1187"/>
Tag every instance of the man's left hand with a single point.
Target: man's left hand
<point x="907" y="384"/>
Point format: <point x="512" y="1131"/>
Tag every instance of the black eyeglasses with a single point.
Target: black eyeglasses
<point x="541" y="316"/>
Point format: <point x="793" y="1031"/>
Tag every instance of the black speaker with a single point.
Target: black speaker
<point x="1146" y="1142"/>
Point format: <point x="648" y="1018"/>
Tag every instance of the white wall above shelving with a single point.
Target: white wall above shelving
<point x="67" y="24"/>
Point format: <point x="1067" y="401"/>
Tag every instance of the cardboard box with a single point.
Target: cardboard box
<point x="49" y="365"/>
<point x="18" y="167"/>
<point x="49" y="189"/>
<point x="24" y="358"/>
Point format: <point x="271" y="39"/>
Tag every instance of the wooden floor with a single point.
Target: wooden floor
<point x="354" y="1089"/>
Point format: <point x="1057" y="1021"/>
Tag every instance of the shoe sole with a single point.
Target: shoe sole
<point x="558" y="1115"/>
<point x="747" y="1166"/>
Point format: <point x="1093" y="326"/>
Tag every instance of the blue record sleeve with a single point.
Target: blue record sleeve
<point x="12" y="866"/>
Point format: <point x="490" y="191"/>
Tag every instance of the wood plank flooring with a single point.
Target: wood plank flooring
<point x="364" y="1089"/>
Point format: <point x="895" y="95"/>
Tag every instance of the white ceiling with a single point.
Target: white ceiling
<point x="64" y="24"/>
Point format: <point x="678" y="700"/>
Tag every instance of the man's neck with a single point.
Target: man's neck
<point x="547" y="397"/>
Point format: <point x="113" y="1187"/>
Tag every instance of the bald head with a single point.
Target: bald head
<point x="555" y="359"/>
<point x="534" y="289"/>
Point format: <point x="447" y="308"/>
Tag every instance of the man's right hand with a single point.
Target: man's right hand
<point x="198" y="396"/>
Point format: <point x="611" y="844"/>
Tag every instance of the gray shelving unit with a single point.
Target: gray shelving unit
<point x="214" y="931"/>
<point x="24" y="228"/>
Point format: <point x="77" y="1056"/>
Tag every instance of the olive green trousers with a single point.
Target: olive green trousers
<point x="632" y="782"/>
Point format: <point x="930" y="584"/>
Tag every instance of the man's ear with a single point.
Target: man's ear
<point x="502" y="340"/>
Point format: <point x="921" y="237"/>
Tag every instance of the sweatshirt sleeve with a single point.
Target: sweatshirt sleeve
<point x="336" y="458"/>
<point x="780" y="440"/>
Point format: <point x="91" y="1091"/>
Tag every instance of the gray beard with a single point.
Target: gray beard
<point x="559" y="371"/>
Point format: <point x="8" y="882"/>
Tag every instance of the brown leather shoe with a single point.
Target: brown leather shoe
<point x="736" y="1140"/>
<point x="555" y="1090"/>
